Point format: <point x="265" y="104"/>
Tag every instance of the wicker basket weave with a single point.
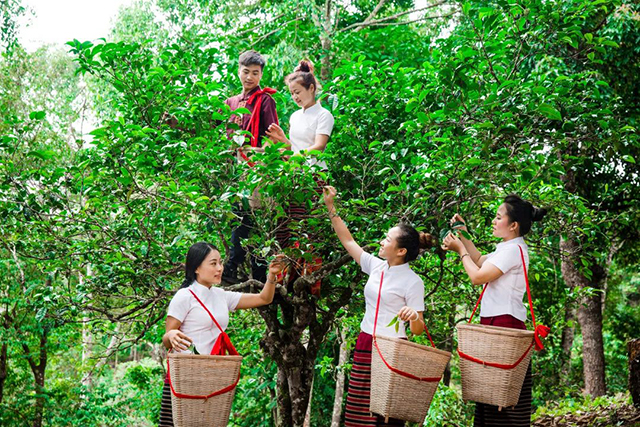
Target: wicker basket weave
<point x="488" y="384"/>
<point x="200" y="375"/>
<point x="396" y="396"/>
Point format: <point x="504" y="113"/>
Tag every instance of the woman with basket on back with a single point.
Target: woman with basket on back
<point x="504" y="273"/>
<point x="402" y="296"/>
<point x="198" y="314"/>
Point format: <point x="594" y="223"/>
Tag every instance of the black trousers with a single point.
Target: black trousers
<point x="238" y="254"/>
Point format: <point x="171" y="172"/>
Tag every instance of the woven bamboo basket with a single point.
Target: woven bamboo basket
<point x="488" y="384"/>
<point x="201" y="375"/>
<point x="396" y="396"/>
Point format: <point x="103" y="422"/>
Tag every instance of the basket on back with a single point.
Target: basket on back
<point x="404" y="375"/>
<point x="203" y="388"/>
<point x="494" y="360"/>
<point x="506" y="347"/>
<point x="396" y="396"/>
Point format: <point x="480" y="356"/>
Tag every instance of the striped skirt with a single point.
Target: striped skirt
<point x="519" y="415"/>
<point x="357" y="410"/>
<point x="296" y="212"/>
<point x="166" y="413"/>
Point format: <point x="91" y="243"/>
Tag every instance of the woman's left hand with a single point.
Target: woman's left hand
<point x="452" y="243"/>
<point x="407" y="313"/>
<point x="277" y="265"/>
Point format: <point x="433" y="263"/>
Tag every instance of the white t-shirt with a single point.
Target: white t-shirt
<point x="305" y="125"/>
<point x="401" y="286"/>
<point x="504" y="295"/>
<point x="196" y="322"/>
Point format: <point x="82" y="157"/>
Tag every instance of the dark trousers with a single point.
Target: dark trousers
<point x="238" y="254"/>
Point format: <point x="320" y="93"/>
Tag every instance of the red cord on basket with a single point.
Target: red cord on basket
<point x="375" y="343"/>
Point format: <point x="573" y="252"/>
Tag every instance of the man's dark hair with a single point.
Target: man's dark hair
<point x="251" y="57"/>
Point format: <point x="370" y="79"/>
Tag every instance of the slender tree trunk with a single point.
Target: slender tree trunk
<point x="3" y="369"/>
<point x="307" y="416"/>
<point x="325" y="41"/>
<point x="589" y="318"/>
<point x="340" y="378"/>
<point x="38" y="370"/>
<point x="448" y="346"/>
<point x="284" y="401"/>
<point x="634" y="371"/>
<point x="567" y="341"/>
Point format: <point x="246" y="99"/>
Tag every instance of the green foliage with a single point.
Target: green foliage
<point x="521" y="98"/>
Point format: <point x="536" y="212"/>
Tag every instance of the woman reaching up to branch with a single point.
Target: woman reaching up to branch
<point x="402" y="295"/>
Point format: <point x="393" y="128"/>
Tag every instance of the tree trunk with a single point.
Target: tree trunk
<point x="3" y="369"/>
<point x="38" y="370"/>
<point x="307" y="416"/>
<point x="337" y="400"/>
<point x="283" y="400"/>
<point x="634" y="371"/>
<point x="325" y="42"/>
<point x="589" y="318"/>
<point x="567" y="342"/>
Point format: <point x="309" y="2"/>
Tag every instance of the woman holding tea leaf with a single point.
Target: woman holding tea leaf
<point x="503" y="272"/>
<point x="401" y="300"/>
<point x="190" y="326"/>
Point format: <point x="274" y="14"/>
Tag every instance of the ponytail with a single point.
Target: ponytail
<point x="413" y="241"/>
<point x="522" y="212"/>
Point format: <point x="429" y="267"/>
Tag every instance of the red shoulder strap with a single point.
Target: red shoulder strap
<point x="223" y="344"/>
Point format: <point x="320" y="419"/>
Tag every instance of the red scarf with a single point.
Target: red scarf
<point x="254" y="122"/>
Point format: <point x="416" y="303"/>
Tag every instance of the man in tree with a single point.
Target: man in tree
<point x="263" y="113"/>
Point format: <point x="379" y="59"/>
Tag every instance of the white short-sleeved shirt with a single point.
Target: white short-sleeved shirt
<point x="504" y="295"/>
<point x="306" y="124"/>
<point x="196" y="322"/>
<point x="401" y="286"/>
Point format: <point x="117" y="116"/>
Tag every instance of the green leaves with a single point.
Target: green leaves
<point x="550" y="112"/>
<point x="395" y="322"/>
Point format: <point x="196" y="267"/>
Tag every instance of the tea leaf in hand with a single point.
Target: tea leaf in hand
<point x="394" y="321"/>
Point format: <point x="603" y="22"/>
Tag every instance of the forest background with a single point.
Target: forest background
<point x="441" y="108"/>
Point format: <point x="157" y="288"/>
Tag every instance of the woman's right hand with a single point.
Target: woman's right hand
<point x="276" y="134"/>
<point x="329" y="193"/>
<point x="458" y="218"/>
<point x="178" y="340"/>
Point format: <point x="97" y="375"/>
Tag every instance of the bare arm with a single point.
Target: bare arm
<point x="340" y="227"/>
<point x="173" y="337"/>
<point x="474" y="253"/>
<point x="266" y="295"/>
<point x="478" y="275"/>
<point x="320" y="143"/>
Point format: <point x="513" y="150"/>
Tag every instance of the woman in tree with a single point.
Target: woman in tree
<point x="502" y="300"/>
<point x="188" y="324"/>
<point x="310" y="129"/>
<point x="312" y="124"/>
<point x="402" y="295"/>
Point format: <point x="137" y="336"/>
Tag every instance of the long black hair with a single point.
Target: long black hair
<point x="522" y="212"/>
<point x="413" y="241"/>
<point x="196" y="254"/>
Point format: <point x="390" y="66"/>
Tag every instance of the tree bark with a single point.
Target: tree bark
<point x="38" y="370"/>
<point x="589" y="318"/>
<point x="286" y="344"/>
<point x="634" y="371"/>
<point x="326" y="42"/>
<point x="568" y="333"/>
<point x="3" y="369"/>
<point x="340" y="378"/>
